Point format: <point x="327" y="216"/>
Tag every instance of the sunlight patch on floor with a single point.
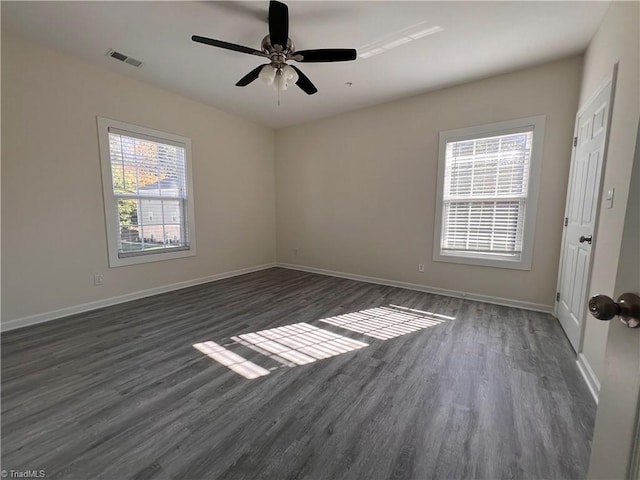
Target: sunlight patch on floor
<point x="299" y="343"/>
<point x="302" y="343"/>
<point x="231" y="360"/>
<point x="291" y="345"/>
<point x="388" y="322"/>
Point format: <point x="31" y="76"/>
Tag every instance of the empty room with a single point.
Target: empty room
<point x="320" y="240"/>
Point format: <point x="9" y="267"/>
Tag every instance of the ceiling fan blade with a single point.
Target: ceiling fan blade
<point x="326" y="55"/>
<point x="250" y="77"/>
<point x="304" y="83"/>
<point x="278" y="23"/>
<point x="227" y="45"/>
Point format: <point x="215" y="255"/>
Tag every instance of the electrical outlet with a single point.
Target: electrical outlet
<point x="421" y="267"/>
<point x="98" y="279"/>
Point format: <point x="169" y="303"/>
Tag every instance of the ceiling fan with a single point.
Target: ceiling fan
<point x="279" y="49"/>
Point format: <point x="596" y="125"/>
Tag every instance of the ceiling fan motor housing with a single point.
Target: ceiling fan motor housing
<point x="277" y="54"/>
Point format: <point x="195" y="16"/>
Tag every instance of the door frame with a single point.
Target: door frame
<point x="635" y="459"/>
<point x="611" y="79"/>
<point x="615" y="445"/>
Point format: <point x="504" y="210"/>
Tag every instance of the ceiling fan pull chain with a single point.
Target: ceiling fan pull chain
<point x="280" y="82"/>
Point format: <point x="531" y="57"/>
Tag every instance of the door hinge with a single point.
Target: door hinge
<point x="566" y="221"/>
<point x="575" y="141"/>
<point x="557" y="296"/>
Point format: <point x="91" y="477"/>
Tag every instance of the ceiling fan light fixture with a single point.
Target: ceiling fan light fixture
<point x="289" y="75"/>
<point x="267" y="74"/>
<point x="280" y="83"/>
<point x="280" y="77"/>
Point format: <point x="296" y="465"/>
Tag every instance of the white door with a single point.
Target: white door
<point x="615" y="451"/>
<point x="581" y="211"/>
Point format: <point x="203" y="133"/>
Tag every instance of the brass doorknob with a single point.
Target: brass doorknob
<point x="627" y="308"/>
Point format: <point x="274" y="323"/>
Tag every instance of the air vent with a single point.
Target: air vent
<point x="124" y="58"/>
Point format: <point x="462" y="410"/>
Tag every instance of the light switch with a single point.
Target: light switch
<point x="608" y="200"/>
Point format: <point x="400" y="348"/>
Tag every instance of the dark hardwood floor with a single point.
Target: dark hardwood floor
<point x="444" y="387"/>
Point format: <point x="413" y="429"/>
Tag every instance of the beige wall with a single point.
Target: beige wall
<point x="53" y="228"/>
<point x="356" y="193"/>
<point x="617" y="40"/>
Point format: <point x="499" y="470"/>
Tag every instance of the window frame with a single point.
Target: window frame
<point x="537" y="123"/>
<point x="110" y="199"/>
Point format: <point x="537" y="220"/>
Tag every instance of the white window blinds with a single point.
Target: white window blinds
<point x="486" y="183"/>
<point x="150" y="191"/>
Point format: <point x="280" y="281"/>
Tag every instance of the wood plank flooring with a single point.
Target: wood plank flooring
<point x="462" y="390"/>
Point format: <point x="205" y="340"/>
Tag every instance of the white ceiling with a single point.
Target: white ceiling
<point x="479" y="39"/>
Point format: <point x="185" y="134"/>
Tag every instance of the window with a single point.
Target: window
<point x="487" y="193"/>
<point x="146" y="179"/>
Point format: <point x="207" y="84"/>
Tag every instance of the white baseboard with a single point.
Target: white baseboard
<point x="589" y="376"/>
<point x="424" y="288"/>
<point x="6" y="326"/>
<point x="85" y="307"/>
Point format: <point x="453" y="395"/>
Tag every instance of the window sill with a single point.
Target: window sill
<point x="115" y="261"/>
<point x="513" y="264"/>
